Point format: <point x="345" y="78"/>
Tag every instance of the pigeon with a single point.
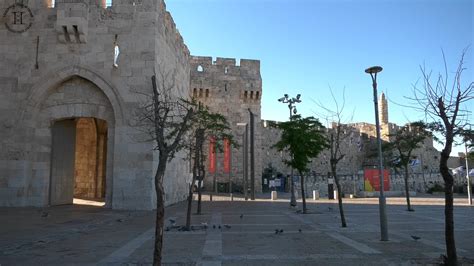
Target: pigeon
<point x="299" y="230"/>
<point x="276" y="231"/>
<point x="416" y="238"/>
<point x="204" y="225"/>
<point x="227" y="226"/>
<point x="119" y="220"/>
<point x="44" y="214"/>
<point x="167" y="229"/>
<point x="213" y="226"/>
<point x="241" y="216"/>
<point x="219" y="226"/>
<point x="281" y="231"/>
<point x="329" y="208"/>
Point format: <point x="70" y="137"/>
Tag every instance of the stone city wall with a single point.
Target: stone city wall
<point x="48" y="46"/>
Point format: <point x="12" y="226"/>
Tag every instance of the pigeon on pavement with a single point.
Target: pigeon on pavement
<point x="415" y="237"/>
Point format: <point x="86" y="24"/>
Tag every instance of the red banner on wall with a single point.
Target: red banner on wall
<point x="226" y="156"/>
<point x="372" y="180"/>
<point x="212" y="155"/>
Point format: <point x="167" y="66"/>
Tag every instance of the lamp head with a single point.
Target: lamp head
<point x="281" y="99"/>
<point x="286" y="96"/>
<point x="373" y="70"/>
<point x="298" y="96"/>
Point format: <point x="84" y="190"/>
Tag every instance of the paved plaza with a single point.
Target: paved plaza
<point x="80" y="234"/>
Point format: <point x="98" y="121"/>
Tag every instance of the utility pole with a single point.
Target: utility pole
<point x="252" y="155"/>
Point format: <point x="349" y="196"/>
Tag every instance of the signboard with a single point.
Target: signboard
<point x="212" y="155"/>
<point x="372" y="180"/>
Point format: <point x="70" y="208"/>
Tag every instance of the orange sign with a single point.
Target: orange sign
<point x="372" y="180"/>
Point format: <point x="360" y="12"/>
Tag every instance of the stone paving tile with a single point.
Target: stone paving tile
<point x="88" y="235"/>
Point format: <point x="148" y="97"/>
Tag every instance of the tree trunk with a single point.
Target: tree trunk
<point x="201" y="168"/>
<point x="448" y="207"/>
<point x="160" y="210"/>
<point x="190" y="203"/>
<point x="303" y="195"/>
<point x="407" y="192"/>
<point x="199" y="197"/>
<point x="339" y="196"/>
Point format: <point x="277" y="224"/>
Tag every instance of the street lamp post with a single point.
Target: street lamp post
<point x="291" y="106"/>
<point x="382" y="203"/>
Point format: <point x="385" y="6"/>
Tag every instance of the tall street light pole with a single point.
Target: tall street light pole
<point x="291" y="105"/>
<point x="382" y="202"/>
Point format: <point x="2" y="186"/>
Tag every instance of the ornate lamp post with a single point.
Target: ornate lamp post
<point x="291" y="106"/>
<point x="382" y="204"/>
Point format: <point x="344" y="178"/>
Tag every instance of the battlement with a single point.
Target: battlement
<point x="225" y="65"/>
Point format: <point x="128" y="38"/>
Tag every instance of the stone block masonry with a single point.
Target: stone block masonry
<point x="231" y="90"/>
<point x="57" y="63"/>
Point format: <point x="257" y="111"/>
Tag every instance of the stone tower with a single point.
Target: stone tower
<point x="64" y="87"/>
<point x="383" y="109"/>
<point x="231" y="90"/>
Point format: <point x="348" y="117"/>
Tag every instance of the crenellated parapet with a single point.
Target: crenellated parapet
<point x="224" y="78"/>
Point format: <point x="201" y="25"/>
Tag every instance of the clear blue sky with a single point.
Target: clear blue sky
<point x="305" y="46"/>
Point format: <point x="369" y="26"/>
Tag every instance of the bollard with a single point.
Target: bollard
<point x="335" y="194"/>
<point x="315" y="195"/>
<point x="274" y="195"/>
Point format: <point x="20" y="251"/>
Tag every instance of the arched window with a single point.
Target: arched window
<point x="251" y="95"/>
<point x="257" y="95"/>
<point x="200" y="92"/>
<point x="226" y="70"/>
<point x="200" y="68"/>
<point x="195" y="93"/>
<point x="207" y="93"/>
<point x="116" y="51"/>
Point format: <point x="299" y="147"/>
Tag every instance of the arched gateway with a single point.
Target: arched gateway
<point x="74" y="124"/>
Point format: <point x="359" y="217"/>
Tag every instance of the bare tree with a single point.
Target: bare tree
<point x="336" y="136"/>
<point x="165" y="118"/>
<point x="443" y="104"/>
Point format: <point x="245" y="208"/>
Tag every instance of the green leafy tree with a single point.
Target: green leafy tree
<point x="402" y="143"/>
<point x="204" y="125"/>
<point x="444" y="104"/>
<point x="303" y="139"/>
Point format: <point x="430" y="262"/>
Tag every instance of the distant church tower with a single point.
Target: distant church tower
<point x="383" y="109"/>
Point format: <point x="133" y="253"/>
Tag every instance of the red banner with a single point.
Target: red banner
<point x="372" y="180"/>
<point x="226" y="156"/>
<point x="212" y="155"/>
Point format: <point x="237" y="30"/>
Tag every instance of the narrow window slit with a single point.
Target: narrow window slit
<point x="66" y="34"/>
<point x="76" y="33"/>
